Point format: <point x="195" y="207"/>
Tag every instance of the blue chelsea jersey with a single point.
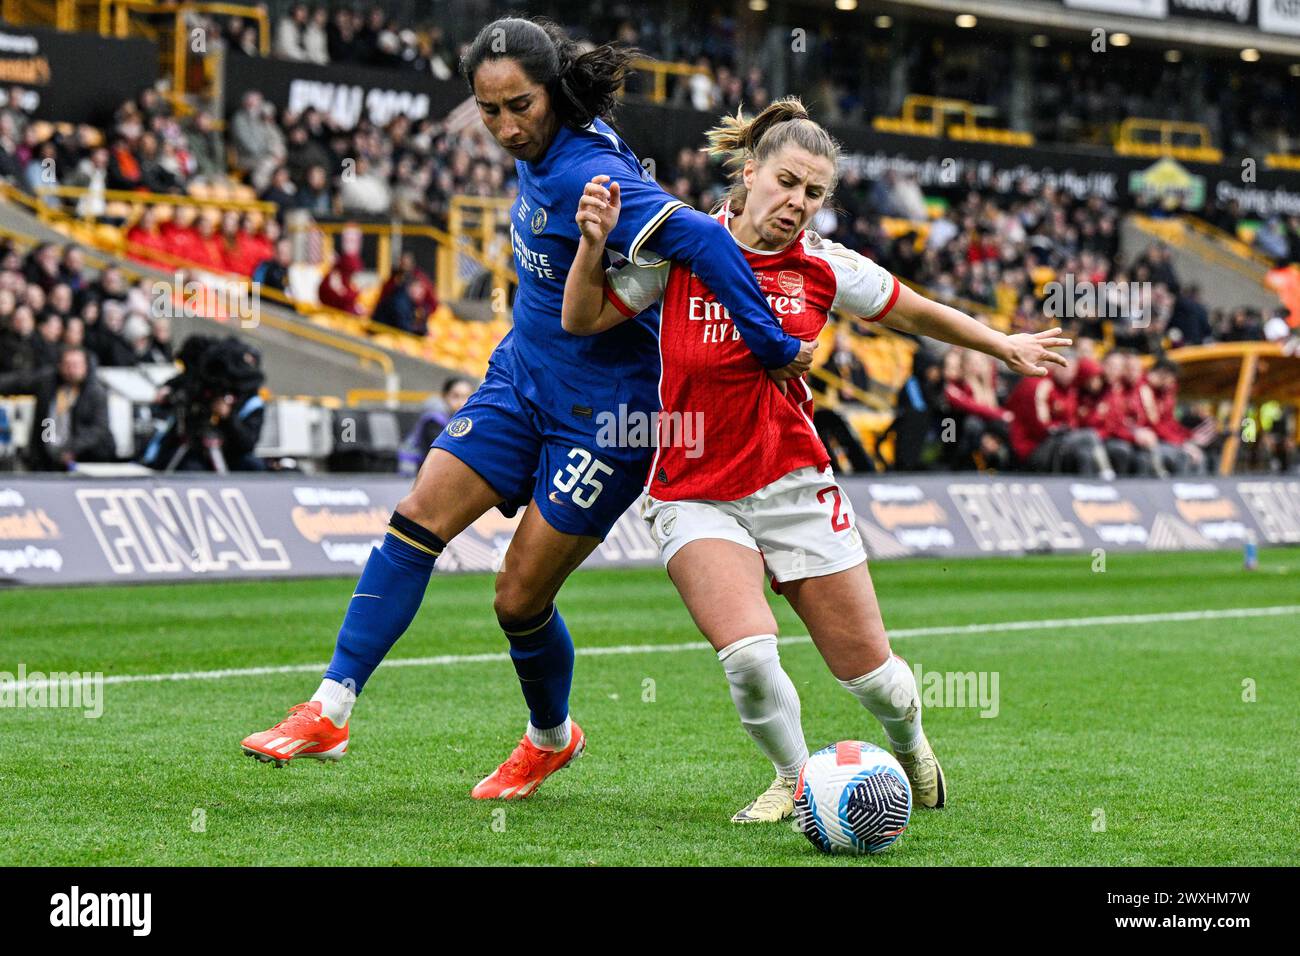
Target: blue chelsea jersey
<point x="575" y="377"/>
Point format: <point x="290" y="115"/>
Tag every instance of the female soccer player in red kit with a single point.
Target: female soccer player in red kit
<point x="754" y="487"/>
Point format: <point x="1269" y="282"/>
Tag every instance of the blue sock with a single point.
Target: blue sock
<point x="542" y="652"/>
<point x="386" y="600"/>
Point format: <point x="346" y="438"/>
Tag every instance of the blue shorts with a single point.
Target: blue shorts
<point x="526" y="454"/>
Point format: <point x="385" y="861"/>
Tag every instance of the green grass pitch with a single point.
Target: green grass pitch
<point x="1123" y="743"/>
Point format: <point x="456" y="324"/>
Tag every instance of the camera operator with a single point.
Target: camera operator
<point x="211" y="412"/>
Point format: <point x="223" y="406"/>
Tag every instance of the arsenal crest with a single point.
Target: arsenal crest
<point x="791" y="283"/>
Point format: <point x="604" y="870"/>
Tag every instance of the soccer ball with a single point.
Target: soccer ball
<point x="852" y="797"/>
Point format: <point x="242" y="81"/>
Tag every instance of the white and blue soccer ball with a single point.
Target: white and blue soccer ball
<point x="852" y="797"/>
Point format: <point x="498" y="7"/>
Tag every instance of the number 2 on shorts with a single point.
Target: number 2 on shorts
<point x="839" y="520"/>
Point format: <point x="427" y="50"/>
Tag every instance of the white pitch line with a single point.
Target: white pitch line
<point x="496" y="657"/>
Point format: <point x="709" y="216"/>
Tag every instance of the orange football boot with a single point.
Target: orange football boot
<point x="527" y="767"/>
<point x="304" y="733"/>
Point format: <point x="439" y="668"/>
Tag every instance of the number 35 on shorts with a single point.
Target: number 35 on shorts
<point x="580" y="477"/>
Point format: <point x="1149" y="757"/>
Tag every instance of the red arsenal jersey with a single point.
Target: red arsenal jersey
<point x="727" y="429"/>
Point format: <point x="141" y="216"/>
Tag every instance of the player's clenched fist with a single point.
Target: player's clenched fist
<point x="598" y="209"/>
<point x="802" y="362"/>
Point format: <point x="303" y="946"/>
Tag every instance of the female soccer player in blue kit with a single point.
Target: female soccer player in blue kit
<point x="529" y="433"/>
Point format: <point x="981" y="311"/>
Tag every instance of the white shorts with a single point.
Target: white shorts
<point x="802" y="524"/>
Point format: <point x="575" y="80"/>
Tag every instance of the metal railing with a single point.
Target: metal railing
<point x="659" y="71"/>
<point x="1138" y="136"/>
<point x="930" y="115"/>
<point x="130" y="197"/>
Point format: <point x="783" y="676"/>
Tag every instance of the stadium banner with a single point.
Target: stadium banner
<point x="1239" y="12"/>
<point x="51" y="68"/>
<point x="1151" y="9"/>
<point x="65" y="530"/>
<point x="347" y="94"/>
<point x="1280" y="16"/>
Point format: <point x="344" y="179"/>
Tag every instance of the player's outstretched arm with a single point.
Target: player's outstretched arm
<point x="1023" y="353"/>
<point x="586" y="310"/>
<point x="704" y="245"/>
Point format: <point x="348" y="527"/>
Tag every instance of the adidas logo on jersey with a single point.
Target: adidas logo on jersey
<point x="662" y="476"/>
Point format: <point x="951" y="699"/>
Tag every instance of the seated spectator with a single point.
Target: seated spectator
<point x="315" y="195"/>
<point x="160" y="344"/>
<point x="49" y="339"/>
<point x="203" y="143"/>
<point x="159" y="169"/>
<point x="364" y="191"/>
<point x="304" y="152"/>
<point x="1190" y="323"/>
<point x="74" y="335"/>
<point x="75" y="408"/>
<point x="259" y="144"/>
<point x="20" y="348"/>
<point x="289" y="34"/>
<point x="209" y="246"/>
<point x="281" y="190"/>
<point x="111" y="285"/>
<point x="40" y="170"/>
<point x="315" y="39"/>
<point x="408" y="269"/>
<point x="60" y="300"/>
<point x="240" y="251"/>
<point x="341" y="36"/>
<point x="337" y="290"/>
<point x="105" y="338"/>
<point x="72" y="272"/>
<point x="979" y="433"/>
<point x="181" y="238"/>
<point x="42" y="268"/>
<point x="273" y="273"/>
<point x="404" y="307"/>
<point x="146" y="238"/>
<point x="138" y="335"/>
<point x="92" y="175"/>
<point x="1159" y="394"/>
<point x="437" y="413"/>
<point x="123" y="168"/>
<point x="1043" y="429"/>
<point x="263" y="234"/>
<point x="1114" y="413"/>
<point x="842" y="443"/>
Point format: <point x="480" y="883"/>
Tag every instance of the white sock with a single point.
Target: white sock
<point x="336" y="701"/>
<point x="766" y="700"/>
<point x="889" y="692"/>
<point x="552" y="738"/>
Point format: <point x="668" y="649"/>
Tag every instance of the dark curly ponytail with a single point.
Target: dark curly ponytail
<point x="581" y="85"/>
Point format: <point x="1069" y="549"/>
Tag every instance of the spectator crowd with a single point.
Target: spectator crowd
<point x="58" y="325"/>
